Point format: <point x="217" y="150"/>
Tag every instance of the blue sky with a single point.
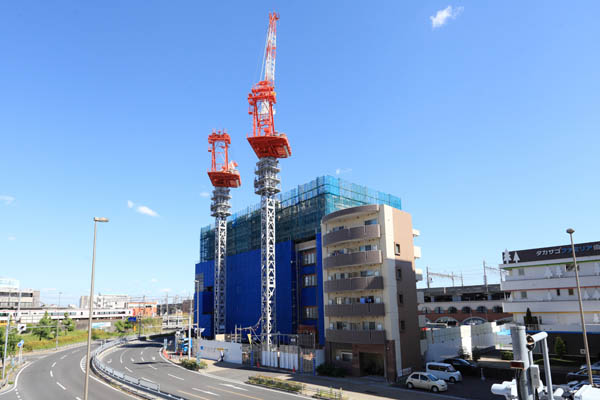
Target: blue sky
<point x="486" y="125"/>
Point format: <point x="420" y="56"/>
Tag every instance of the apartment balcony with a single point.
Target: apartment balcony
<point x="355" y="337"/>
<point x="353" y="259"/>
<point x="365" y="232"/>
<point x="355" y="310"/>
<point x="363" y="283"/>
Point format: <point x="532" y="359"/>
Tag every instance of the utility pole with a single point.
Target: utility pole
<point x="5" y="345"/>
<point x="189" y="335"/>
<point x="485" y="277"/>
<point x="520" y="353"/>
<point x="449" y="276"/>
<point x="428" y="282"/>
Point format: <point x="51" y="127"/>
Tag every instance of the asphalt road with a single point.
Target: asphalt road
<point x="60" y="376"/>
<point x="143" y="360"/>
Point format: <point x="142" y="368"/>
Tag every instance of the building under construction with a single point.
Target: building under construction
<point x="299" y="278"/>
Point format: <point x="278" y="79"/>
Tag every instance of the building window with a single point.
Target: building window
<point x="398" y="273"/>
<point x="310" y="280"/>
<point x="558" y="292"/>
<point x="466" y="310"/>
<point x="571" y="292"/>
<point x="371" y="221"/>
<point x="497" y="309"/>
<point x="397" y="248"/>
<point x="311" y="313"/>
<point x="521" y="271"/>
<point x="337" y="228"/>
<point x="523" y="295"/>
<point x="452" y="310"/>
<point x="400" y="299"/>
<point x="402" y="325"/>
<point x="308" y="257"/>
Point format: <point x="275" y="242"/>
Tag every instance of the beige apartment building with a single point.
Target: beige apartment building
<point x="370" y="294"/>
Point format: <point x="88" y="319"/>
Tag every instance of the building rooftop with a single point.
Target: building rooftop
<point x="461" y="289"/>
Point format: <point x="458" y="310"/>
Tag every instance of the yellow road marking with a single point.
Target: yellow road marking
<point x="193" y="395"/>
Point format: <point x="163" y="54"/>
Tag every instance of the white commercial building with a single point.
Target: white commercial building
<point x="539" y="280"/>
<point x="11" y="296"/>
<point x="107" y="301"/>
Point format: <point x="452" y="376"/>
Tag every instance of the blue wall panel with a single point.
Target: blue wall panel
<point x="205" y="302"/>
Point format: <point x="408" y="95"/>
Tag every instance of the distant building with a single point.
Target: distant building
<point x="540" y="281"/>
<point x="370" y="292"/>
<point x="106" y="301"/>
<point x="11" y="296"/>
<point x="144" y="308"/>
<point x="463" y="305"/>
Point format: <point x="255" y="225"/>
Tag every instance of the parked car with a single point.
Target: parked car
<point x="582" y="374"/>
<point x="464" y="366"/>
<point x="443" y="371"/>
<point x="423" y="380"/>
<point x="572" y="387"/>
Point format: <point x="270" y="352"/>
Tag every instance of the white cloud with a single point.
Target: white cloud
<point x="340" y="171"/>
<point x="12" y="238"/>
<point x="7" y="200"/>
<point x="153" y="280"/>
<point x="204" y="194"/>
<point x="166" y="290"/>
<point x="442" y="16"/>
<point x="130" y="204"/>
<point x="146" y="211"/>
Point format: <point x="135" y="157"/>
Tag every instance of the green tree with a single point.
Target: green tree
<point x="43" y="330"/>
<point x="13" y="339"/>
<point x="68" y="323"/>
<point x="560" y="347"/>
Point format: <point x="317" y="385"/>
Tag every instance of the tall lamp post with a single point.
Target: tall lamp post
<point x="197" y="282"/>
<point x="570" y="231"/>
<point x="91" y="308"/>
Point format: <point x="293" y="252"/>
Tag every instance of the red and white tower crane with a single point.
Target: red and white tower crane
<point x="269" y="145"/>
<point x="223" y="176"/>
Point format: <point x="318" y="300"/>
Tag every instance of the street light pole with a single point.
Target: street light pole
<point x="570" y="231"/>
<point x="91" y="308"/>
<point x="197" y="316"/>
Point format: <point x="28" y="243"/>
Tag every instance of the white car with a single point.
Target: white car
<point x="424" y="380"/>
<point x="443" y="371"/>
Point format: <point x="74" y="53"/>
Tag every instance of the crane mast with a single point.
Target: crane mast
<point x="223" y="176"/>
<point x="269" y="145"/>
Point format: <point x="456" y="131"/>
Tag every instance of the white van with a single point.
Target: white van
<point x="443" y="371"/>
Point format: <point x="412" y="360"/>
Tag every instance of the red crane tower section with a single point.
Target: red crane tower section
<point x="222" y="172"/>
<point x="265" y="140"/>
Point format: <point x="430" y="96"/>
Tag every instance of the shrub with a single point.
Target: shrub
<point x="506" y="355"/>
<point x="560" y="347"/>
<point x="275" y="383"/>
<point x="328" y="369"/>
<point x="191" y="364"/>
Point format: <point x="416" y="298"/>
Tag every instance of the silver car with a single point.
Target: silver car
<point x="424" y="380"/>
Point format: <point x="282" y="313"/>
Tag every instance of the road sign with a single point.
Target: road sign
<point x="132" y="319"/>
<point x="22" y="328"/>
<point x="20" y="344"/>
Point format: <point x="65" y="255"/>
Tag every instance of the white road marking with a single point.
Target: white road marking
<point x="152" y="367"/>
<point x="77" y="398"/>
<point x="74" y="351"/>
<point x="205" y="391"/>
<point x="142" y="353"/>
<point x="51" y="374"/>
<point x="153" y="358"/>
<point x="109" y="361"/>
<point x="121" y="356"/>
<point x="146" y="379"/>
<point x="53" y="364"/>
<point x="232" y="386"/>
<point x="128" y="369"/>
<point x="176" y="377"/>
<point x="62" y="387"/>
<point x="132" y="360"/>
<point x="63" y="357"/>
<point x="142" y="358"/>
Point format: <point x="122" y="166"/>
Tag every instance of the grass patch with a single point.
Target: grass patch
<point x="33" y="342"/>
<point x="192" y="364"/>
<point x="328" y="394"/>
<point x="275" y="383"/>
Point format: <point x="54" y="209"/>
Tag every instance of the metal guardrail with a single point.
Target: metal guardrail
<point x="137" y="383"/>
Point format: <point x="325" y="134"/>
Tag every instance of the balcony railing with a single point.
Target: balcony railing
<point x="352" y="259"/>
<point x="365" y="232"/>
<point x="362" y="283"/>
<point x="354" y="310"/>
<point x="355" y="337"/>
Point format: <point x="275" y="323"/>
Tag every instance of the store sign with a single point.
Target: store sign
<point x="551" y="253"/>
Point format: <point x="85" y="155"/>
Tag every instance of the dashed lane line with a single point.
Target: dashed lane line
<point x="176" y="377"/>
<point x="53" y="364"/>
<point x="205" y="391"/>
<point x="128" y="369"/>
<point x="154" y="368"/>
<point x="235" y="393"/>
<point x="63" y="357"/>
<point x="61" y="386"/>
<point x="51" y="374"/>
<point x="233" y="386"/>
